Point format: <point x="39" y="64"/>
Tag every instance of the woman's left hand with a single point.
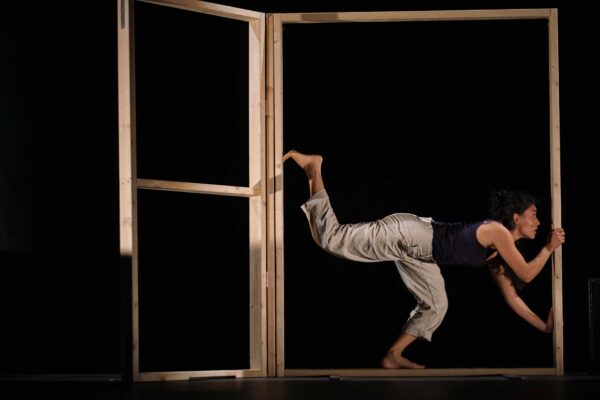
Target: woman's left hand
<point x="549" y="322"/>
<point x="556" y="237"/>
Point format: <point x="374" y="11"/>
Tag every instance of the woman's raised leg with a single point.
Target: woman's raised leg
<point x="364" y="242"/>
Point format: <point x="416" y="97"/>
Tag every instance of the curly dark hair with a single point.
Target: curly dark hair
<point x="503" y="204"/>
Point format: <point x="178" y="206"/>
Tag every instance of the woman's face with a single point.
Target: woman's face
<point x="526" y="224"/>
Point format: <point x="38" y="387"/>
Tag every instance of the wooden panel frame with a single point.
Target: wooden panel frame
<point x="255" y="192"/>
<point x="275" y="171"/>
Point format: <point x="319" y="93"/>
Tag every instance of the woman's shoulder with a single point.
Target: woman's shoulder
<point x="488" y="230"/>
<point x="490" y="224"/>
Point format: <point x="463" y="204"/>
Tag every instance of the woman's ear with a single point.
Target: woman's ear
<point x="516" y="218"/>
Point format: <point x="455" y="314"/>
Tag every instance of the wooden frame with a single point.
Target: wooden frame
<point x="265" y="189"/>
<point x="255" y="192"/>
<point x="275" y="171"/>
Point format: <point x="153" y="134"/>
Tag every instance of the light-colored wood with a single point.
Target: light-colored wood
<point x="557" y="298"/>
<point x="380" y="372"/>
<point x="199" y="188"/>
<point x="278" y="186"/>
<point x="386" y="16"/>
<point x="256" y="194"/>
<point x="210" y="8"/>
<point x="127" y="161"/>
<point x="126" y="153"/>
<point x="180" y="376"/>
<point x="257" y="204"/>
<point x="458" y="15"/>
<point x="270" y="127"/>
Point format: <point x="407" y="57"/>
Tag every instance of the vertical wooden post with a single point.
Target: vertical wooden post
<point x="257" y="203"/>
<point x="278" y="148"/>
<point x="557" y="298"/>
<point x="127" y="164"/>
<point x="271" y="262"/>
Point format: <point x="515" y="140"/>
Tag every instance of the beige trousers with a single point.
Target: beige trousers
<point x="405" y="239"/>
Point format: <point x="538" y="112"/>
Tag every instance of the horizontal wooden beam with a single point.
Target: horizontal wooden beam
<point x="383" y="16"/>
<point x="188" y="375"/>
<point x="380" y="372"/>
<point x="199" y="188"/>
<point x="209" y="8"/>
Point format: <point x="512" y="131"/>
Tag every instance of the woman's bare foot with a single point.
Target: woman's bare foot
<point x="308" y="162"/>
<point x="311" y="164"/>
<point x="394" y="362"/>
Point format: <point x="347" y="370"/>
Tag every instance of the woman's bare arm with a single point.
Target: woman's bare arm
<point x="517" y="304"/>
<point x="497" y="235"/>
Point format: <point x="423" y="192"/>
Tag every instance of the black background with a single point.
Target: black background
<point x="61" y="283"/>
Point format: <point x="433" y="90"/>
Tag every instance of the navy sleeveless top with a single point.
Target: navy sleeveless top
<point x="455" y="243"/>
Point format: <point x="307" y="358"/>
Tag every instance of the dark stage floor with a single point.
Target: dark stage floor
<point x="580" y="387"/>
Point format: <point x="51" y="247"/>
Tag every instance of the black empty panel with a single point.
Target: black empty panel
<point x="191" y="82"/>
<point x="418" y="117"/>
<point x="59" y="246"/>
<point x="194" y="282"/>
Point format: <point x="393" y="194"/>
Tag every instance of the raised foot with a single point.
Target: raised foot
<point x="308" y="162"/>
<point x="391" y="362"/>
